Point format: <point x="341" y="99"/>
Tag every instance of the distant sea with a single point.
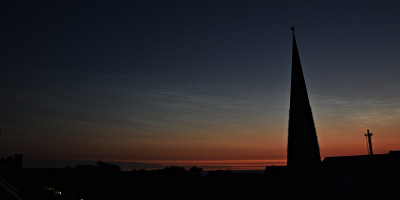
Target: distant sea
<point x="42" y="163"/>
<point x="234" y="165"/>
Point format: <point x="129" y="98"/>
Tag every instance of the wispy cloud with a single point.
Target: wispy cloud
<point x="137" y="105"/>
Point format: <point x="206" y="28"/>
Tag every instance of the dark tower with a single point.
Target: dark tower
<point x="303" y="149"/>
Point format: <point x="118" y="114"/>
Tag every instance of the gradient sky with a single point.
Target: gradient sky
<point x="193" y="81"/>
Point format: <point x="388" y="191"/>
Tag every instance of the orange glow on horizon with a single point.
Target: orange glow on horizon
<point x="215" y="164"/>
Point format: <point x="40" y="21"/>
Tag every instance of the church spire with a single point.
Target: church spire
<point x="303" y="149"/>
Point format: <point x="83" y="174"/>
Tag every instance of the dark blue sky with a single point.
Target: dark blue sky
<point x="148" y="80"/>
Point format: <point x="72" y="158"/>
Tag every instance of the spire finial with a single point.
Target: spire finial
<point x="292" y="28"/>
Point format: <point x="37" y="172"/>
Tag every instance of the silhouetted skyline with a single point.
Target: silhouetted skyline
<point x="176" y="81"/>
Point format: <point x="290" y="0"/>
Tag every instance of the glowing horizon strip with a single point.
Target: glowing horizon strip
<point x="228" y="163"/>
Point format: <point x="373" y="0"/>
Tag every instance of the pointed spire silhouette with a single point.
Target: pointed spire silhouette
<point x="303" y="149"/>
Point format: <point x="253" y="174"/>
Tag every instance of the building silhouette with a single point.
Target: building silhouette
<point x="12" y="162"/>
<point x="302" y="149"/>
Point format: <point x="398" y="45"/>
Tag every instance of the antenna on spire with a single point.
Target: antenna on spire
<point x="369" y="143"/>
<point x="292" y="28"/>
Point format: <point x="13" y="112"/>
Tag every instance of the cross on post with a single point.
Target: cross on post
<point x="369" y="143"/>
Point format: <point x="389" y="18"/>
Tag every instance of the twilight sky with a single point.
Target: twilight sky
<point x="193" y="81"/>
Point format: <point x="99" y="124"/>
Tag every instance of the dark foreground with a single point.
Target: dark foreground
<point x="107" y="181"/>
